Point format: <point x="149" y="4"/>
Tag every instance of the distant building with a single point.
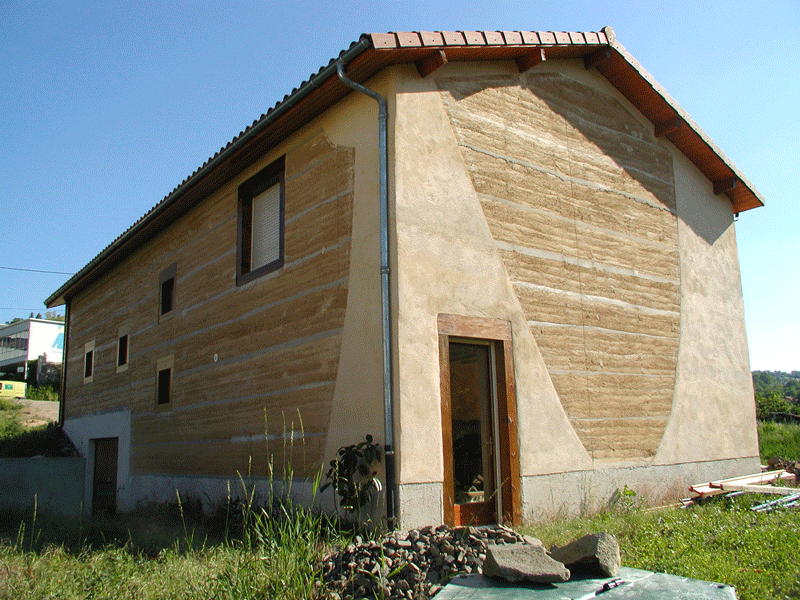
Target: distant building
<point x="28" y="340"/>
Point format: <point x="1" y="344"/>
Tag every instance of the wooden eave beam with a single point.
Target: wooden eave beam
<point x="593" y="59"/>
<point x="530" y="60"/>
<point x="668" y="126"/>
<point x="724" y="186"/>
<point x="429" y="63"/>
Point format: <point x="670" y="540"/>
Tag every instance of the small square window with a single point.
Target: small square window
<point x="261" y="223"/>
<point x="123" y="340"/>
<point x="88" y="362"/>
<point x="166" y="291"/>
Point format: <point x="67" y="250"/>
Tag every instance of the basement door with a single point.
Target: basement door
<point x="104" y="490"/>
<point x="479" y="438"/>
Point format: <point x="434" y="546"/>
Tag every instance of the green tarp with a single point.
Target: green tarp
<point x="630" y="584"/>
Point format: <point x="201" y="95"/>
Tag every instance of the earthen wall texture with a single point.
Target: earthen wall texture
<point x="580" y="200"/>
<point x="250" y="360"/>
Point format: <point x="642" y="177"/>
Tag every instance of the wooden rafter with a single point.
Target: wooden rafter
<point x="530" y="60"/>
<point x="667" y="126"/>
<point x="593" y="59"/>
<point x="723" y="186"/>
<point x="428" y="64"/>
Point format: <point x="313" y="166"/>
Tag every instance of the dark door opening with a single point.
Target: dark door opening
<point x="104" y="491"/>
<point x="472" y="426"/>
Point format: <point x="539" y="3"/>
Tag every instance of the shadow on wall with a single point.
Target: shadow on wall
<point x="607" y="124"/>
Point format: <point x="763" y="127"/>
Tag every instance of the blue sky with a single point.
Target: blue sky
<point x="105" y="107"/>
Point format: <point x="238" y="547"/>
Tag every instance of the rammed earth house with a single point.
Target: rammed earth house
<point x="510" y="257"/>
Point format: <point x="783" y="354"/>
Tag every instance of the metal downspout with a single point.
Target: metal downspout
<point x="388" y="419"/>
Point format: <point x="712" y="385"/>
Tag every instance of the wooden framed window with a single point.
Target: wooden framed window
<point x="261" y="223"/>
<point x="88" y="362"/>
<point x="123" y="348"/>
<point x="166" y="292"/>
<point x="164" y="368"/>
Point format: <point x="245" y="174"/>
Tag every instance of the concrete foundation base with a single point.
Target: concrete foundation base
<point x="581" y="492"/>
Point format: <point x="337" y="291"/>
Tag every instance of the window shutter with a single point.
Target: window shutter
<point x="265" y="247"/>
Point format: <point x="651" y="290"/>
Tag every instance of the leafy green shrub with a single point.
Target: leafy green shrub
<point x="45" y="392"/>
<point x="352" y="477"/>
<point x="48" y="440"/>
<point x="772" y="402"/>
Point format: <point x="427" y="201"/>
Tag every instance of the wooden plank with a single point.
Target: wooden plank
<point x="474" y="327"/>
<point x="448" y="493"/>
<point x="509" y="442"/>
<point x="758" y="489"/>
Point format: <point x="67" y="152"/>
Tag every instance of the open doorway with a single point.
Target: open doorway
<point x="479" y="435"/>
<point x="104" y="489"/>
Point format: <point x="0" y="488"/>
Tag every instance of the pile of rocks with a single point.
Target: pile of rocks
<point x="413" y="564"/>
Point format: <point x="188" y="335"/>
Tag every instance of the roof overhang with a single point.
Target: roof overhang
<point x="428" y="51"/>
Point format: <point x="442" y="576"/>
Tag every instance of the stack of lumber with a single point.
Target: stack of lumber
<point x="761" y="483"/>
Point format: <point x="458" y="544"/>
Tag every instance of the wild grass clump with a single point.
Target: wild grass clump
<point x="779" y="439"/>
<point x="9" y="419"/>
<point x="46" y="440"/>
<point x="251" y="547"/>
<point x="721" y="540"/>
<point x="48" y="393"/>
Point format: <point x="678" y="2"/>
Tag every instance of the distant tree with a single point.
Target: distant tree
<point x="52" y="315"/>
<point x="773" y="402"/>
<point x="14" y="320"/>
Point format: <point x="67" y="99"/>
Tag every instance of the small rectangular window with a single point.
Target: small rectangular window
<point x="164" y="368"/>
<point x="88" y="365"/>
<point x="166" y="291"/>
<point x="164" y="384"/>
<point x="261" y="223"/>
<point x="122" y="349"/>
<point x="88" y="362"/>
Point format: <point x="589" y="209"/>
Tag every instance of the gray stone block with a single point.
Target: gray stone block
<point x="523" y="562"/>
<point x="595" y="553"/>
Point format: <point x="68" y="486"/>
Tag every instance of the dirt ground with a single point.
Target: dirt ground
<point x="37" y="412"/>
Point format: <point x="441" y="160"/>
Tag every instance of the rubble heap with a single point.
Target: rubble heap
<point x="413" y="564"/>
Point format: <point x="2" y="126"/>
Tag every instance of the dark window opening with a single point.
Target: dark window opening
<point x="164" y="384"/>
<point x="166" y="296"/>
<point x="122" y="351"/>
<point x="167" y="287"/>
<point x="88" y="364"/>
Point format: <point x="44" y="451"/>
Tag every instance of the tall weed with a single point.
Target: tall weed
<point x="779" y="439"/>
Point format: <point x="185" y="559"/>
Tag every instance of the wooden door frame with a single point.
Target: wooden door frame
<point x="498" y="333"/>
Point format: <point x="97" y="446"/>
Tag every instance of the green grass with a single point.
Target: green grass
<point x="45" y="392"/>
<point x="721" y="540"/>
<point x="270" y="551"/>
<point x="779" y="439"/>
<point x="10" y="426"/>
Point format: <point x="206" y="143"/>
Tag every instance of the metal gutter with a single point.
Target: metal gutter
<point x="388" y="402"/>
<point x="289" y="101"/>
